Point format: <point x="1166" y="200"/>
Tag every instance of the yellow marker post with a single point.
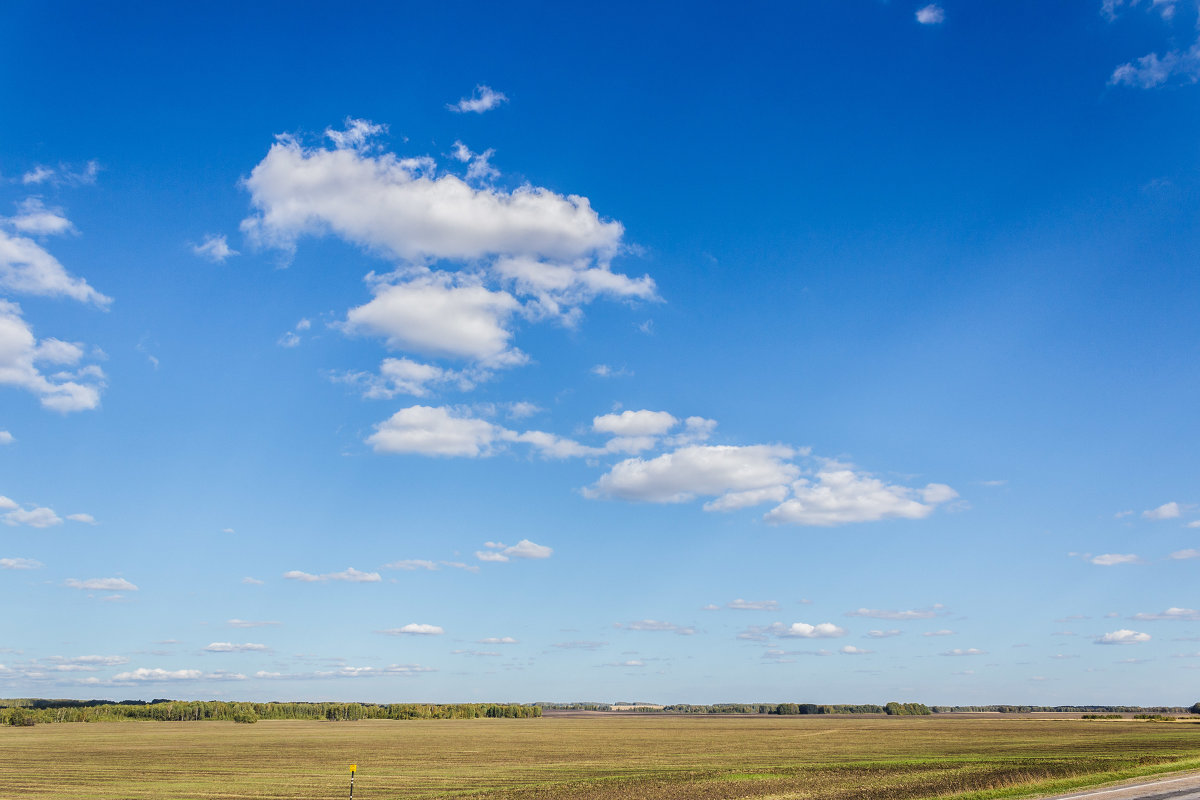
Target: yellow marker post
<point x="353" y="768"/>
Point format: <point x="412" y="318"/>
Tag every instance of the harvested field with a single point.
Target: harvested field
<point x="586" y="758"/>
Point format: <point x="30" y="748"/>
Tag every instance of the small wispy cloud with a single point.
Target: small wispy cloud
<point x="101" y="584"/>
<point x="931" y="14"/>
<point x="485" y="98"/>
<point x="215" y="248"/>
<point x="350" y="574"/>
<point x="655" y="625"/>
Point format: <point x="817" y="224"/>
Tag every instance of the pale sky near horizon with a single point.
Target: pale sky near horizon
<point x="816" y="352"/>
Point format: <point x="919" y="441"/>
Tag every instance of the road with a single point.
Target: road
<point x="1186" y="787"/>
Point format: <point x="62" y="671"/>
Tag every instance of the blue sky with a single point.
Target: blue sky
<point x="824" y="351"/>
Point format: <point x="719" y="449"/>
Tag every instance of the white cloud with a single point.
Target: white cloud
<point x="7" y="502"/>
<point x="415" y="629"/>
<point x="960" y="651"/>
<point x="407" y="670"/>
<point x="527" y="549"/>
<point x="26" y="268"/>
<point x="487" y="555"/>
<point x="942" y="632"/>
<point x="1165" y="8"/>
<point x="403" y="376"/>
<point x="435" y="431"/>
<point x="33" y="517"/>
<point x="350" y="575"/>
<point x="878" y="634"/>
<point x="696" y="470"/>
<point x="732" y="501"/>
<point x="1180" y="555"/>
<point x="1123" y="636"/>
<point x="102" y="584"/>
<point x="6" y="438"/>
<point x="215" y="248"/>
<point x="19" y="563"/>
<point x="252" y="581"/>
<point x="635" y="423"/>
<point x="840" y="495"/>
<point x="395" y="205"/>
<point x="754" y="605"/>
<point x="33" y="217"/>
<point x="851" y="650"/>
<point x="605" y="371"/>
<point x="552" y="249"/>
<point x="442" y="315"/>
<point x="1153" y="70"/>
<point x="499" y="640"/>
<point x="63" y="175"/>
<point x="931" y="14"/>
<point x="21" y="354"/>
<point x="1113" y="559"/>
<point x="157" y="675"/>
<point x="411" y="564"/>
<point x="484" y="99"/>
<point x="39" y="174"/>
<point x="657" y="626"/>
<point x="230" y="647"/>
<point x="802" y="630"/>
<point x="245" y="623"/>
<point x="1183" y="614"/>
<point x="916" y="613"/>
<point x="797" y="630"/>
<point x="1165" y="511"/>
<point x="86" y="519"/>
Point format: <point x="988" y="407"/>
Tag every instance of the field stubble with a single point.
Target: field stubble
<point x="586" y="758"/>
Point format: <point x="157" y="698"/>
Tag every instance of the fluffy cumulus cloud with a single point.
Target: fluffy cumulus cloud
<point x="415" y="629"/>
<point x="635" y="423"/>
<point x="437" y="432"/>
<point x="476" y="258"/>
<point x="1123" y="636"/>
<point x="697" y="470"/>
<point x="1165" y="511"/>
<point x="36" y="219"/>
<point x="931" y="14"/>
<point x="27" y="268"/>
<point x="797" y="630"/>
<point x="51" y="369"/>
<point x="500" y="552"/>
<point x="732" y="476"/>
<point x="485" y="98"/>
<point x="838" y="495"/>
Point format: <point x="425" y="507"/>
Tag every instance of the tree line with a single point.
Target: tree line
<point x="33" y="711"/>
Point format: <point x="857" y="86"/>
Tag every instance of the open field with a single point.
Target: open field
<point x="587" y="757"/>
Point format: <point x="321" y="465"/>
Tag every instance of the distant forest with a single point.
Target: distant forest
<point x="32" y="711"/>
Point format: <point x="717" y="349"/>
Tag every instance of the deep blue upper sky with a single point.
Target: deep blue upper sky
<point x="708" y="349"/>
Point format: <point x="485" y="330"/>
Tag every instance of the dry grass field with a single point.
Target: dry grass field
<point x="587" y="758"/>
